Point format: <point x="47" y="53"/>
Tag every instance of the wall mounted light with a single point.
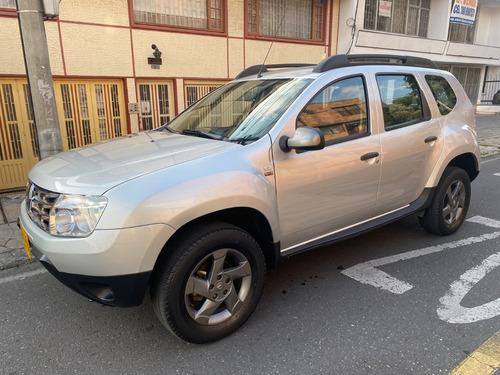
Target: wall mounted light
<point x="155" y="61"/>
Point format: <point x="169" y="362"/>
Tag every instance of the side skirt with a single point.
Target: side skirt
<point x="419" y="204"/>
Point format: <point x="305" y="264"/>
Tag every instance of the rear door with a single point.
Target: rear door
<point x="411" y="141"/>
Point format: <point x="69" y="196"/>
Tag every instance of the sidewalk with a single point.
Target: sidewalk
<point x="11" y="244"/>
<point x="12" y="253"/>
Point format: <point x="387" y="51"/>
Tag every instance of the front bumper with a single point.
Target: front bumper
<point x="109" y="266"/>
<point x="121" y="291"/>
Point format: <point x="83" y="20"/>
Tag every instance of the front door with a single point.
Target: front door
<point x="324" y="191"/>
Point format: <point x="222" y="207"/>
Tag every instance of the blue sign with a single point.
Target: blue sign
<point x="464" y="12"/>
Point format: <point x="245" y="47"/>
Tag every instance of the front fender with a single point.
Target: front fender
<point x="185" y="192"/>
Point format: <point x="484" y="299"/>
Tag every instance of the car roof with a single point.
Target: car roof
<point x="295" y="70"/>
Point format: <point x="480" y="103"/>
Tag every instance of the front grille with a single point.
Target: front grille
<point x="39" y="202"/>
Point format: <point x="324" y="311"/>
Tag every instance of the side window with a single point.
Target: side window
<point x="443" y="93"/>
<point x="339" y="110"/>
<point x="401" y="100"/>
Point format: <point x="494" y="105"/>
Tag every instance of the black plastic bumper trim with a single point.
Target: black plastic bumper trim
<point x="120" y="291"/>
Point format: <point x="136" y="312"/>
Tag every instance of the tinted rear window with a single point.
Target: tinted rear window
<point x="401" y="101"/>
<point x="443" y="93"/>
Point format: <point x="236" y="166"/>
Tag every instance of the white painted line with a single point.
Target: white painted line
<point x="487" y="161"/>
<point x="496" y="174"/>
<point x="485" y="221"/>
<point x="22" y="276"/>
<point x="366" y="272"/>
<point x="452" y="312"/>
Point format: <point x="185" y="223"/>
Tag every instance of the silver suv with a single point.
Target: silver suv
<point x="283" y="159"/>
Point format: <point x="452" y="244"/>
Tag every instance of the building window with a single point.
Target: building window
<point x="195" y="91"/>
<point x="410" y="17"/>
<point x="300" y="19"/>
<point x="190" y="14"/>
<point x="7" y="4"/>
<point x="460" y="33"/>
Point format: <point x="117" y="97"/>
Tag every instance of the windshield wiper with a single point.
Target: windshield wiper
<point x="244" y="140"/>
<point x="168" y="128"/>
<point x="198" y="133"/>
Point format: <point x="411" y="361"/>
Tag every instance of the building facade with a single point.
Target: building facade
<point x="423" y="28"/>
<point x="106" y="86"/>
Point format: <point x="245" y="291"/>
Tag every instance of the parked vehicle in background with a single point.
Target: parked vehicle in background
<point x="496" y="98"/>
<point x="283" y="159"/>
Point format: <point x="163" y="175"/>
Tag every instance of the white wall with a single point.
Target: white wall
<point x="488" y="28"/>
<point x="438" y="19"/>
<point x="347" y="14"/>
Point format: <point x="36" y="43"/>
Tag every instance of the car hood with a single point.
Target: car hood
<point x="96" y="168"/>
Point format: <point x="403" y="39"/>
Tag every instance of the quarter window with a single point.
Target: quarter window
<point x="339" y="110"/>
<point x="193" y="14"/>
<point x="299" y="19"/>
<point x="401" y="100"/>
<point x="443" y="93"/>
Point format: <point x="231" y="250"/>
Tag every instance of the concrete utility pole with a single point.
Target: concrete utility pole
<point x="36" y="58"/>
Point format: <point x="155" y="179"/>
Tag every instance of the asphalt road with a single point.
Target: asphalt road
<point x="313" y="318"/>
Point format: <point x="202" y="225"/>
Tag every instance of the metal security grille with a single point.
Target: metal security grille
<point x="409" y="17"/>
<point x="155" y="104"/>
<point x="490" y="89"/>
<point x="469" y="78"/>
<point x="18" y="145"/>
<point x="89" y="111"/>
<point x="31" y="120"/>
<point x="194" y="92"/>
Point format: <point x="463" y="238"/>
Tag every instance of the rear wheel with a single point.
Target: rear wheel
<point x="210" y="284"/>
<point x="450" y="203"/>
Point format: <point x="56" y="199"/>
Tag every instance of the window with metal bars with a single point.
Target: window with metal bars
<point x="460" y="33"/>
<point x="189" y="14"/>
<point x="8" y="4"/>
<point x="410" y="17"/>
<point x="300" y="19"/>
<point x="196" y="92"/>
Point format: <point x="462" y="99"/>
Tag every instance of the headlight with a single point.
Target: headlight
<point x="76" y="215"/>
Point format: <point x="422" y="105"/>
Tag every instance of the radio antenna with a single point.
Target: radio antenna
<point x="272" y="42"/>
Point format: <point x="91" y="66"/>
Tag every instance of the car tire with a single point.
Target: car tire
<point x="450" y="203"/>
<point x="210" y="284"/>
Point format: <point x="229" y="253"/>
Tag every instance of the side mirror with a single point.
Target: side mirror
<point x="304" y="139"/>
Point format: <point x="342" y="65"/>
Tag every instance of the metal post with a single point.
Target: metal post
<point x="36" y="59"/>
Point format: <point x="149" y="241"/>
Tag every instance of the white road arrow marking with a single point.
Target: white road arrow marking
<point x="452" y="312"/>
<point x="366" y="272"/>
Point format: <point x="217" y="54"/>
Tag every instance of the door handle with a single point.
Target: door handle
<point x="370" y="155"/>
<point x="430" y="139"/>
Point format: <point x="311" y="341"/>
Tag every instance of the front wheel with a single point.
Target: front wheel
<point x="450" y="203"/>
<point x="210" y="284"/>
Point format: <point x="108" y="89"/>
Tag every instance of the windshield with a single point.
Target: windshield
<point x="239" y="111"/>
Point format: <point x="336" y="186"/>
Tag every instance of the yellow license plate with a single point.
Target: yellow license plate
<point x="26" y="242"/>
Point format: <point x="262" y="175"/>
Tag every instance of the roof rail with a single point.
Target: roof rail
<point x="255" y="69"/>
<point x="339" y="61"/>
